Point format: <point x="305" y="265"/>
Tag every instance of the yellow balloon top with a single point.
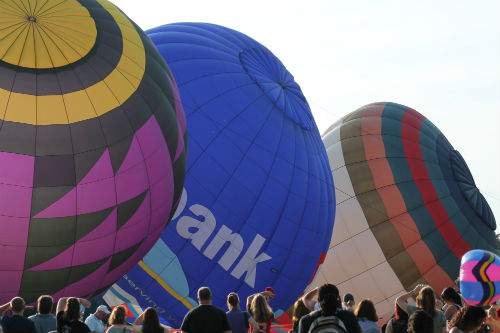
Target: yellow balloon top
<point x="45" y="34"/>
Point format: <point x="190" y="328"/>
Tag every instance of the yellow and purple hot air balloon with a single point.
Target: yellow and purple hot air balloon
<point x="407" y="206"/>
<point x="92" y="146"/>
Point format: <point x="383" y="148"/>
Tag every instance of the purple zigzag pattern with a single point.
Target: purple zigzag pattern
<point x="147" y="166"/>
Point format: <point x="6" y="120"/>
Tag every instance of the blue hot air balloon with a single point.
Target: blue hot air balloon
<point x="259" y="202"/>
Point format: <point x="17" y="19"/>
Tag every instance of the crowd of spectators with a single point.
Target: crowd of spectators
<point x="320" y="310"/>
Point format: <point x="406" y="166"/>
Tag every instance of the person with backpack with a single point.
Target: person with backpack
<point x="330" y="317"/>
<point x="398" y="324"/>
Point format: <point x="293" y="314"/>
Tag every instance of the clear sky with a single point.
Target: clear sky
<point x="441" y="58"/>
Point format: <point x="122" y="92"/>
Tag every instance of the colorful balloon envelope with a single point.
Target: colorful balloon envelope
<point x="480" y="277"/>
<point x="407" y="206"/>
<point x="92" y="147"/>
<point x="259" y="203"/>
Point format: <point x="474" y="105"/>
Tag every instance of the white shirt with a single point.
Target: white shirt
<point x="94" y="324"/>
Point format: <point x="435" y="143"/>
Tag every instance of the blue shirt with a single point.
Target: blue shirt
<point x="44" y="322"/>
<point x="238" y="320"/>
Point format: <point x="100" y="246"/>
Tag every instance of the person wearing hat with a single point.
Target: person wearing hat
<point x="94" y="321"/>
<point x="348" y="303"/>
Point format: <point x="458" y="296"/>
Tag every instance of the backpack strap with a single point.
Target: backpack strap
<point x="339" y="324"/>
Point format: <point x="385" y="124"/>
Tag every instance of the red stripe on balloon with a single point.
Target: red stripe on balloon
<point x="392" y="198"/>
<point x="410" y="133"/>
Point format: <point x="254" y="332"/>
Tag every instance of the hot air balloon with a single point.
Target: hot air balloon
<point x="480" y="277"/>
<point x="407" y="206"/>
<point x="258" y="206"/>
<point x="92" y="147"/>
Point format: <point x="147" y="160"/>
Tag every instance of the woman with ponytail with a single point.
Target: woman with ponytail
<point x="240" y="320"/>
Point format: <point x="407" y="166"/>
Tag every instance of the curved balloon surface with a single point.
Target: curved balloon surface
<point x="92" y="155"/>
<point x="258" y="206"/>
<point x="480" y="277"/>
<point x="407" y="206"/>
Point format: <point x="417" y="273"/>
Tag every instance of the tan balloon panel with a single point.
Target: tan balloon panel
<point x="354" y="256"/>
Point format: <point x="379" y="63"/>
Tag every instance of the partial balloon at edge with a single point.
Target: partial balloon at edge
<point x="480" y="277"/>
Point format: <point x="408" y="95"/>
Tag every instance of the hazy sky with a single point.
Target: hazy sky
<point x="441" y="58"/>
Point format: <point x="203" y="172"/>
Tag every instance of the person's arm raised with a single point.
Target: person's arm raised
<point x="138" y="320"/>
<point x="61" y="304"/>
<point x="4" y="308"/>
<point x="85" y="303"/>
<point x="308" y="299"/>
<point x="402" y="300"/>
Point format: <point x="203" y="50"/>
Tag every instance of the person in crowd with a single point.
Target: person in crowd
<point x="205" y="317"/>
<point x="16" y="323"/>
<point x="330" y="306"/>
<point x="467" y="319"/>
<point x="262" y="313"/>
<point x="310" y="299"/>
<point x="420" y="322"/>
<point x="68" y="315"/>
<point x="240" y="321"/>
<point x="398" y="324"/>
<point x="367" y="316"/>
<point x="150" y="322"/>
<point x="94" y="321"/>
<point x="493" y="319"/>
<point x="426" y="301"/>
<point x="452" y="302"/>
<point x="117" y="321"/>
<point x="268" y="294"/>
<point x="299" y="310"/>
<point x="348" y="303"/>
<point x="44" y="320"/>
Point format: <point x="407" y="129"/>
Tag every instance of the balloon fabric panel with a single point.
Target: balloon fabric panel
<point x="92" y="147"/>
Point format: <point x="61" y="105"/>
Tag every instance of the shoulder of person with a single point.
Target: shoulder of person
<point x="411" y="309"/>
<point x="455" y="330"/>
<point x="346" y="314"/>
<point x="314" y="314"/>
<point x="440" y="314"/>
<point x="310" y="317"/>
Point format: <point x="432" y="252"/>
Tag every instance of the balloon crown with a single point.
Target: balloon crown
<point x="277" y="84"/>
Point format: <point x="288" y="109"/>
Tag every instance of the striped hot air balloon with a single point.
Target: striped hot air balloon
<point x="92" y="146"/>
<point x="407" y="206"/>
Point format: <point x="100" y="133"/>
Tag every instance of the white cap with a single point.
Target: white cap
<point x="103" y="308"/>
